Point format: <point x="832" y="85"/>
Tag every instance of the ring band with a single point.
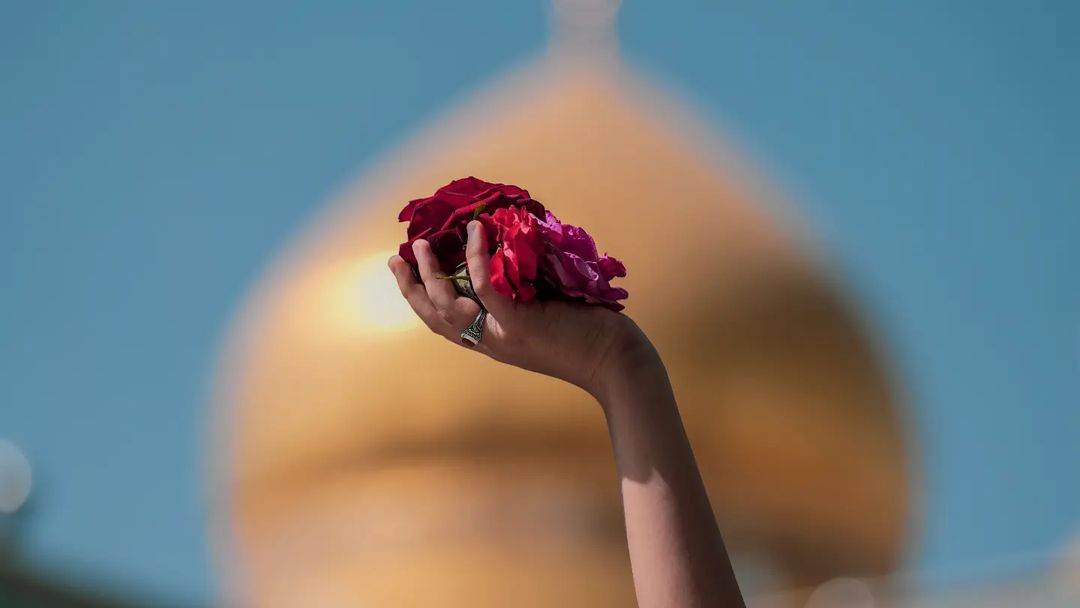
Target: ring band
<point x="474" y="332"/>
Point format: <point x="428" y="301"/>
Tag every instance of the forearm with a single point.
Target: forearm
<point x="676" y="551"/>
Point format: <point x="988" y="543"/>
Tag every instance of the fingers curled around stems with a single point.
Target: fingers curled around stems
<point x="479" y="261"/>
<point x="439" y="290"/>
<point x="417" y="296"/>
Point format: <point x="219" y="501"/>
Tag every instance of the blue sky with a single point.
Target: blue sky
<point x="154" y="156"/>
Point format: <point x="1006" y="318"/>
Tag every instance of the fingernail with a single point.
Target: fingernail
<point x="471" y="227"/>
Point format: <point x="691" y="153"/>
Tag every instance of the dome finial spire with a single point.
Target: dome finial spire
<point x="585" y="28"/>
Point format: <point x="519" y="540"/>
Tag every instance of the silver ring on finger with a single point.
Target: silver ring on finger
<point x="475" y="331"/>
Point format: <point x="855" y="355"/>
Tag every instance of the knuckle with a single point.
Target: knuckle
<point x="481" y="285"/>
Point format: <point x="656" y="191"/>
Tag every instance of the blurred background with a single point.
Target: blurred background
<point x="208" y="398"/>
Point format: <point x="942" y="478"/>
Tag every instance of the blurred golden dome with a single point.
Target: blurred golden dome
<point x="368" y="462"/>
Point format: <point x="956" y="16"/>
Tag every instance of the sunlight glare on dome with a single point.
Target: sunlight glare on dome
<point x="376" y="303"/>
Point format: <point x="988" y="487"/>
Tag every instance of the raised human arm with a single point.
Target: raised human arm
<point x="676" y="551"/>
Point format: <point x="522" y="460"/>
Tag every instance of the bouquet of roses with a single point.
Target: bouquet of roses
<point x="534" y="256"/>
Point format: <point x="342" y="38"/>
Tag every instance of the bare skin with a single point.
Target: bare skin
<point x="676" y="552"/>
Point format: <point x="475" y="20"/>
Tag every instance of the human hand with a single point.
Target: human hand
<point x="578" y="343"/>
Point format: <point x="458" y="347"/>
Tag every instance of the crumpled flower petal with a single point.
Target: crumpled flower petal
<point x="571" y="262"/>
<point x="516" y="261"/>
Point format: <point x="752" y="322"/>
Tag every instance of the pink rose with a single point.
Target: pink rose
<point x="575" y="270"/>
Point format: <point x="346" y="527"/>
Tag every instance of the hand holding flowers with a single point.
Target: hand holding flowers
<point x="537" y="279"/>
<point x="531" y="273"/>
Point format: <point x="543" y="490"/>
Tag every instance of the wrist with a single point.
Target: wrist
<point x="630" y="358"/>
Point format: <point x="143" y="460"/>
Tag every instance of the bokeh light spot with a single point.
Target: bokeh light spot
<point x="376" y="302"/>
<point x="15" y="477"/>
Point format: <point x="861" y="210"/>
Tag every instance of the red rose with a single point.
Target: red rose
<point x="514" y="264"/>
<point x="442" y="217"/>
